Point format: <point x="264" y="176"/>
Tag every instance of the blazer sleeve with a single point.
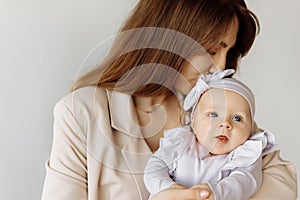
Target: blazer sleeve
<point x="279" y="179"/>
<point x="66" y="169"/>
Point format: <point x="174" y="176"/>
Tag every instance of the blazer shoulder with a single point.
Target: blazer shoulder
<point x="85" y="105"/>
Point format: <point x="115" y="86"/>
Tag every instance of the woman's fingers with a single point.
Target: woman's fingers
<point x="182" y="194"/>
<point x="203" y="186"/>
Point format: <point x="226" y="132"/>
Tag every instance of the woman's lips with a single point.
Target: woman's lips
<point x="222" y="139"/>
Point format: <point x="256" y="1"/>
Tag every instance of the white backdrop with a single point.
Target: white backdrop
<point x="42" y="45"/>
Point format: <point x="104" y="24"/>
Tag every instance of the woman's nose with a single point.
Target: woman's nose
<point x="225" y="124"/>
<point x="219" y="63"/>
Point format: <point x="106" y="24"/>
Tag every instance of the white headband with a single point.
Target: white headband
<point x="217" y="80"/>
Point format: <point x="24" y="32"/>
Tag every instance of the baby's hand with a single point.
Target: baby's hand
<point x="205" y="186"/>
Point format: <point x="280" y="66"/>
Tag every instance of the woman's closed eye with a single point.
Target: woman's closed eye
<point x="212" y="52"/>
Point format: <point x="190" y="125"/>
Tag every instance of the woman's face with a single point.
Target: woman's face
<point x="222" y="120"/>
<point x="208" y="63"/>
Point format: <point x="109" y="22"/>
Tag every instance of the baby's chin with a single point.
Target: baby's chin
<point x="220" y="150"/>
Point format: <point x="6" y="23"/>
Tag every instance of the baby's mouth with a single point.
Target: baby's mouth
<point x="222" y="139"/>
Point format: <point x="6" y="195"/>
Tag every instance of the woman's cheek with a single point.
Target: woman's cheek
<point x="183" y="86"/>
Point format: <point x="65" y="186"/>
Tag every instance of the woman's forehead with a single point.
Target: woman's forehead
<point x="230" y="37"/>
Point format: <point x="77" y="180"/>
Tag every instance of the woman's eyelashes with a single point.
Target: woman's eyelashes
<point x="215" y="50"/>
<point x="212" y="52"/>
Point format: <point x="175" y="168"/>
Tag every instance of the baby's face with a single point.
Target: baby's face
<point x="222" y="120"/>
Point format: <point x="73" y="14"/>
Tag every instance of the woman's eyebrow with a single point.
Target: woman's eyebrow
<point x="223" y="44"/>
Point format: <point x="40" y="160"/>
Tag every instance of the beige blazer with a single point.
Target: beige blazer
<point x="98" y="152"/>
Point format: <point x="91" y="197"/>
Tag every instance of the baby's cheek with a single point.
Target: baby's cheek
<point x="201" y="132"/>
<point x="212" y="125"/>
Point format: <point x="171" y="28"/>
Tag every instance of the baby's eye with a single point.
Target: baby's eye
<point x="213" y="114"/>
<point x="236" y="118"/>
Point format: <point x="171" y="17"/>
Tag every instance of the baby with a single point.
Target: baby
<point x="218" y="150"/>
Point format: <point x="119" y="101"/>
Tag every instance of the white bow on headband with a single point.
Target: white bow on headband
<point x="202" y="85"/>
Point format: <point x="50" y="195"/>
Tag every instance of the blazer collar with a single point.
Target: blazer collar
<point x="123" y="114"/>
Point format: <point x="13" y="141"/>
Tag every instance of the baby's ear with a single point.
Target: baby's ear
<point x="185" y="119"/>
<point x="192" y="123"/>
<point x="255" y="129"/>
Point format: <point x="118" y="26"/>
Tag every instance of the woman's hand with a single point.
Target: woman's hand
<point x="182" y="194"/>
<point x="178" y="186"/>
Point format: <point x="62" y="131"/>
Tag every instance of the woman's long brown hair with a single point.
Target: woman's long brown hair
<point x="159" y="33"/>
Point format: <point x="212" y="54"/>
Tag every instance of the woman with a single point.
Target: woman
<point x="106" y="129"/>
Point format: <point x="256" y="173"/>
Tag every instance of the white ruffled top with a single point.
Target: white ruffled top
<point x="182" y="159"/>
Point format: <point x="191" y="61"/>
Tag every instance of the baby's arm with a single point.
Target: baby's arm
<point x="240" y="184"/>
<point x="156" y="175"/>
<point x="161" y="165"/>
